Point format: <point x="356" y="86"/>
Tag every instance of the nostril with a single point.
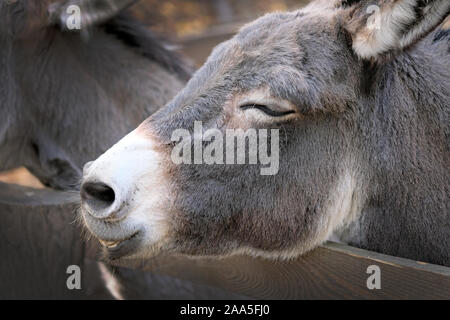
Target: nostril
<point x="97" y="195"/>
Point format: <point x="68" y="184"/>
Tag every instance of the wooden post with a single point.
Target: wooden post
<point x="39" y="240"/>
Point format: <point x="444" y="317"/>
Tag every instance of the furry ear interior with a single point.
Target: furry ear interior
<point x="379" y="27"/>
<point x="84" y="14"/>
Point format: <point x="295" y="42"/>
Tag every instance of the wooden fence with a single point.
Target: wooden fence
<point x="40" y="238"/>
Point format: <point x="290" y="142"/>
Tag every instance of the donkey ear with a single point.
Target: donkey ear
<point x="379" y="27"/>
<point x="83" y="14"/>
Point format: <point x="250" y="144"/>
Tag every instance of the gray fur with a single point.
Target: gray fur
<point x="384" y="122"/>
<point x="65" y="98"/>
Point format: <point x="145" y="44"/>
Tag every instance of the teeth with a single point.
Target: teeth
<point x="109" y="244"/>
<point x="115" y="243"/>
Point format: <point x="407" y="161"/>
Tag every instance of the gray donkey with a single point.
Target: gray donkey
<point x="359" y="93"/>
<point x="67" y="95"/>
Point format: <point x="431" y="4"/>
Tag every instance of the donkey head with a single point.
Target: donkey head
<point x="299" y="76"/>
<point x="69" y="69"/>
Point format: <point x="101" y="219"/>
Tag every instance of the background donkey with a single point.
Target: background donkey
<point x="363" y="112"/>
<point x="58" y="88"/>
<point x="67" y="95"/>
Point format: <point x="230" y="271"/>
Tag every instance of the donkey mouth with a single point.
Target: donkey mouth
<point x="114" y="243"/>
<point x="120" y="248"/>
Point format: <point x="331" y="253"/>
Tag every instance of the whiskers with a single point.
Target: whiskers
<point x="78" y="221"/>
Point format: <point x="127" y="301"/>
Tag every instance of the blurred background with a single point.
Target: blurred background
<point x="199" y="25"/>
<point x="194" y="27"/>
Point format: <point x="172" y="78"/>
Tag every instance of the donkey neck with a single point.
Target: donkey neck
<point x="406" y="147"/>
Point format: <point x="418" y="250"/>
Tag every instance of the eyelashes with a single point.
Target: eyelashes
<point x="265" y="109"/>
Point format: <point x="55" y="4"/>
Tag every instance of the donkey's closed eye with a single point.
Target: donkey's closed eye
<point x="268" y="111"/>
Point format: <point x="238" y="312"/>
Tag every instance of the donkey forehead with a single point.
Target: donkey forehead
<point x="288" y="27"/>
<point x="280" y="51"/>
<point x="279" y="39"/>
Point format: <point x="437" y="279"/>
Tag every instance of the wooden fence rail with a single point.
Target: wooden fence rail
<point x="332" y="271"/>
<point x="39" y="238"/>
